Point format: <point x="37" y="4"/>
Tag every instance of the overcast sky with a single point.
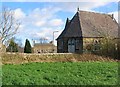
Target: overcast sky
<point x="40" y="19"/>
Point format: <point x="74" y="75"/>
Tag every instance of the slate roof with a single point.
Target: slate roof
<point x="90" y="24"/>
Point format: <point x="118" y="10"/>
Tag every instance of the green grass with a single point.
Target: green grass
<point x="67" y="73"/>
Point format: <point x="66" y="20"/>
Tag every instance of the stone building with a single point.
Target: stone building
<point x="44" y="48"/>
<point x="86" y="28"/>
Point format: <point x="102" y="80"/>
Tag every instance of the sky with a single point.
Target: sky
<point x="40" y="19"/>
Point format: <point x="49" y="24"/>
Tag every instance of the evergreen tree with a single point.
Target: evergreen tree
<point x="13" y="47"/>
<point x="27" y="48"/>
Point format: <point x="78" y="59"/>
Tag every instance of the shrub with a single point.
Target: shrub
<point x="108" y="47"/>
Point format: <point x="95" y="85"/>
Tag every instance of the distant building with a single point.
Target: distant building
<point x="86" y="28"/>
<point x="44" y="48"/>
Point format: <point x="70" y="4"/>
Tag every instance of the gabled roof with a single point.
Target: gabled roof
<point x="72" y="28"/>
<point x="98" y="25"/>
<point x="90" y="24"/>
<point x="65" y="29"/>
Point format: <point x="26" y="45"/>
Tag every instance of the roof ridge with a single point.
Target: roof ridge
<point x="94" y="12"/>
<point x="79" y="19"/>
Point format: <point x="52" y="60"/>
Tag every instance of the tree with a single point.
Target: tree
<point x="27" y="48"/>
<point x="13" y="47"/>
<point x="8" y="25"/>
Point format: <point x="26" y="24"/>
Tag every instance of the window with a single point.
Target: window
<point x="71" y="42"/>
<point x="96" y="45"/>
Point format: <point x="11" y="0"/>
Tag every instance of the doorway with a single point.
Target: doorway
<point x="71" y="46"/>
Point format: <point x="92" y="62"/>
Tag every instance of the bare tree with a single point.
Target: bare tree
<point x="8" y="25"/>
<point x="43" y="40"/>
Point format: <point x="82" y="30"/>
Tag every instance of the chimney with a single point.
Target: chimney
<point x="33" y="42"/>
<point x="112" y="16"/>
<point x="78" y="9"/>
<point x="68" y="20"/>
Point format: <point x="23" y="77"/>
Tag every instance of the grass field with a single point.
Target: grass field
<point x="61" y="73"/>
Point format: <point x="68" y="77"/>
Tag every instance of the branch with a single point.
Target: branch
<point x="8" y="25"/>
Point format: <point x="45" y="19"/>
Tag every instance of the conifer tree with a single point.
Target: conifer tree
<point x="13" y="47"/>
<point x="27" y="48"/>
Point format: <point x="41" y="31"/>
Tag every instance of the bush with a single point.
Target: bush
<point x="108" y="47"/>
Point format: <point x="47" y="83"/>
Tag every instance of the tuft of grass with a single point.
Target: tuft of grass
<point x="61" y="73"/>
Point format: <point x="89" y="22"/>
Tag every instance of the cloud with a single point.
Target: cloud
<point x="56" y="22"/>
<point x="51" y="23"/>
<point x="19" y="14"/>
<point x="39" y="22"/>
<point x="44" y="32"/>
<point x="88" y="6"/>
<point x="47" y="33"/>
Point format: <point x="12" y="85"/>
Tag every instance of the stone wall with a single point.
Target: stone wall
<point x="19" y="58"/>
<point x="90" y="43"/>
<point x="44" y="49"/>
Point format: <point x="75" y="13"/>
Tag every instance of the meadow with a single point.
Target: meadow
<point x="61" y="73"/>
